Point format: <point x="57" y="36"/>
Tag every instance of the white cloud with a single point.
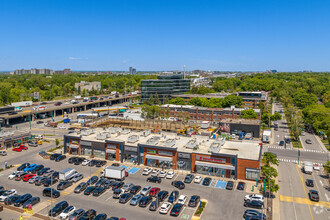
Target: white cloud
<point x="78" y="58"/>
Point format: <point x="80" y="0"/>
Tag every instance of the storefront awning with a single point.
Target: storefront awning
<point x="109" y="151"/>
<point x="74" y="146"/>
<point x="215" y="165"/>
<point x="158" y="158"/>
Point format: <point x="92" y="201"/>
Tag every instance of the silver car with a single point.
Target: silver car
<point x="128" y="186"/>
<point x="145" y="191"/>
<point x="49" y="172"/>
<point x="77" y="177"/>
<point x="34" y="179"/>
<point x="135" y="200"/>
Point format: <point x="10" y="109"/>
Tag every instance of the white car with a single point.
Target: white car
<point x="145" y="191"/>
<point x="182" y="199"/>
<point x="12" y="176"/>
<point x="62" y="127"/>
<point x="146" y="171"/>
<point x="317" y="167"/>
<point x="170" y="175"/>
<point x="155" y="172"/>
<point x="197" y="179"/>
<point x="254" y="197"/>
<point x="85" y="162"/>
<point x="163" y="174"/>
<point x="67" y="212"/>
<point x="7" y="194"/>
<point x="166" y="206"/>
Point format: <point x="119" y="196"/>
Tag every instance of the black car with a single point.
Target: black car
<point x="88" y="215"/>
<point x="178" y="184"/>
<point x="81" y="187"/>
<point x="40" y="181"/>
<point x="39" y="122"/>
<point x="175" y="211"/>
<point x="2" y="191"/>
<point x="11" y="199"/>
<point x="252" y="213"/>
<point x="60" y="158"/>
<point x="58" y="208"/>
<point x="92" y="163"/>
<point x="144" y="202"/>
<point x="115" y="164"/>
<point x="310" y="183"/>
<point x="77" y="214"/>
<point x="50" y="192"/>
<point x="125" y="198"/>
<point x="207" y="181"/>
<point x="19" y="176"/>
<point x="173" y="196"/>
<point x="154" y="205"/>
<point x="102" y="216"/>
<point x="194" y="201"/>
<point x="100" y="182"/>
<point x="92" y="180"/>
<point x="230" y="185"/>
<point x="36" y="169"/>
<point x="135" y="189"/>
<point x="314" y="195"/>
<point x="42" y="171"/>
<point x="22" y="199"/>
<point x="240" y="186"/>
<point x="108" y="183"/>
<point x="71" y="159"/>
<point x="162" y="195"/>
<point x="154" y="179"/>
<point x="54" y="156"/>
<point x="78" y="161"/>
<point x="50" y="182"/>
<point x="117" y="185"/>
<point x="31" y="202"/>
<point x="23" y="166"/>
<point x="98" y="191"/>
<point x="100" y="163"/>
<point x="254" y="204"/>
<point x="189" y="178"/>
<point x="89" y="190"/>
<point x="55" y="175"/>
<point x="281" y="143"/>
<point x="63" y="185"/>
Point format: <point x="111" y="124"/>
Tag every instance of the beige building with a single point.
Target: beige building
<point x="89" y="86"/>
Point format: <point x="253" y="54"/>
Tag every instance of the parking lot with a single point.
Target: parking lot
<point x="219" y="199"/>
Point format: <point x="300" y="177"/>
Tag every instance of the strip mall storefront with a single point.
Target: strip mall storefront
<point x="160" y="157"/>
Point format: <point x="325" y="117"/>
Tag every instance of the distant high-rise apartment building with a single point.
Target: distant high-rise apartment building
<point x="32" y="71"/>
<point x="89" y="86"/>
<point x="132" y="71"/>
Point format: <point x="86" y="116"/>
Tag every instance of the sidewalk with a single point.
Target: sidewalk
<point x="276" y="202"/>
<point x="321" y="144"/>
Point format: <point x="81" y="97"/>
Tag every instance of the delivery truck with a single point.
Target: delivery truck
<point x="114" y="172"/>
<point x="308" y="167"/>
<point x="66" y="174"/>
<point x="266" y="136"/>
<point x="22" y="104"/>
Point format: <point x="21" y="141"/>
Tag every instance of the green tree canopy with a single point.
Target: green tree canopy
<point x="177" y="101"/>
<point x="249" y="114"/>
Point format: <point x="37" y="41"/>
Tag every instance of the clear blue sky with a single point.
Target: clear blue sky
<point x="287" y="35"/>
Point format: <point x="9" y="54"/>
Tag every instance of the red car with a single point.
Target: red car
<point x="23" y="147"/>
<point x="154" y="191"/>
<point x="27" y="177"/>
<point x="18" y="149"/>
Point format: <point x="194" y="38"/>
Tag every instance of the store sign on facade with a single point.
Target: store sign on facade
<point x="165" y="153"/>
<point x="111" y="146"/>
<point x="211" y="159"/>
<point x="183" y="155"/>
<point x="86" y="143"/>
<point x="134" y="149"/>
<point x="74" y="142"/>
<point x="151" y="151"/>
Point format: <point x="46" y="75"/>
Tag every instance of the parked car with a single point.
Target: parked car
<point x="85" y="162"/>
<point x="240" y="186"/>
<point x="178" y="184"/>
<point x="40" y="181"/>
<point x="11" y="199"/>
<point x="92" y="180"/>
<point x="27" y="177"/>
<point x="77" y="214"/>
<point x="308" y="141"/>
<point x="154" y="191"/>
<point x="3" y="153"/>
<point x="163" y="174"/>
<point x="314" y="195"/>
<point x="100" y="182"/>
<point x="31" y="202"/>
<point x="135" y="200"/>
<point x="173" y="196"/>
<point x="117" y="193"/>
<point x="254" y="204"/>
<point x="50" y="192"/>
<point x="230" y="185"/>
<point x="50" y="182"/>
<point x="102" y="216"/>
<point x="22" y="199"/>
<point x="117" y="185"/>
<point x="58" y="208"/>
<point x="146" y="171"/>
<point x="55" y="175"/>
<point x="63" y="185"/>
<point x="154" y="205"/>
<point x="189" y="178"/>
<point x="108" y="183"/>
<point x="281" y="143"/>
<point x="170" y="175"/>
<point x="197" y="179"/>
<point x="253" y="213"/>
<point x="154" y="179"/>
<point x="92" y="163"/>
<point x="145" y="191"/>
<point x="17" y="149"/>
<point x="98" y="191"/>
<point x="155" y="172"/>
<point x="19" y="176"/>
<point x="194" y="201"/>
<point x="182" y="199"/>
<point x="175" y="211"/>
<point x="71" y="159"/>
<point x="89" y="214"/>
<point x="309" y="183"/>
<point x="77" y="177"/>
<point x="30" y="167"/>
<point x="100" y="163"/>
<point x="42" y="171"/>
<point x="89" y="190"/>
<point x="23" y="166"/>
<point x="254" y="197"/>
<point x="162" y="195"/>
<point x="36" y="169"/>
<point x="67" y="212"/>
<point x="124" y="198"/>
<point x="78" y="161"/>
<point x="81" y="187"/>
<point x="165" y="207"/>
<point x="128" y="186"/>
<point x="34" y="179"/>
<point x="60" y="158"/>
<point x="207" y="181"/>
<point x="54" y="156"/>
<point x="13" y="175"/>
<point x="135" y="189"/>
<point x="7" y="194"/>
<point x="145" y="201"/>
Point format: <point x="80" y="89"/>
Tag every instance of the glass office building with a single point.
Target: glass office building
<point x="164" y="86"/>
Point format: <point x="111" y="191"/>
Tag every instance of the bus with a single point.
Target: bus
<point x="93" y="98"/>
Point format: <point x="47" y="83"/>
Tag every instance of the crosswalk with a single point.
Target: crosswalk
<point x="301" y="149"/>
<point x="296" y="161"/>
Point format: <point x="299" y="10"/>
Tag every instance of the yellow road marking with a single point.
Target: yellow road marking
<point x="303" y="184"/>
<point x="304" y="201"/>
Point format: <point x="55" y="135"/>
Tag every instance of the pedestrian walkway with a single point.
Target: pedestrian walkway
<point x="296" y="161"/>
<point x="296" y="149"/>
<point x="304" y="201"/>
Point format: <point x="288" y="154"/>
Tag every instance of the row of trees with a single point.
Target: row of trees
<point x="212" y="102"/>
<point x="15" y="88"/>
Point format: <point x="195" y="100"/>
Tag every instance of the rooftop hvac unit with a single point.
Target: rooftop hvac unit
<point x="192" y="143"/>
<point x="87" y="132"/>
<point x="126" y="131"/>
<point x="169" y="142"/>
<point x="153" y="140"/>
<point x="216" y="146"/>
<point x="133" y="138"/>
<point x="113" y="130"/>
<point x="145" y="133"/>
